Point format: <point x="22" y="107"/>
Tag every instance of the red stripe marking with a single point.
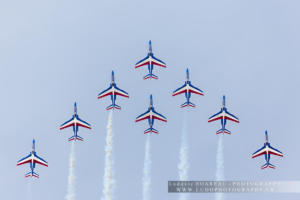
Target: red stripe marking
<point x="158" y="64"/>
<point x="276" y="154"/>
<point x="40" y="163"/>
<point x="147" y="117"/>
<point x="123" y="95"/>
<point x="154" y="117"/>
<point x="84" y="126"/>
<point x="183" y="91"/>
<point x="192" y="91"/>
<point x="101" y="96"/>
<point x="150" y="77"/>
<point x="72" y="124"/>
<point x="146" y="63"/>
<point x="21" y="163"/>
<point x="215" y="119"/>
<point x="263" y="153"/>
<point x="231" y="119"/>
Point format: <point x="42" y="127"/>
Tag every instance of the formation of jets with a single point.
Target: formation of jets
<point x="113" y="91"/>
<point x="32" y="159"/>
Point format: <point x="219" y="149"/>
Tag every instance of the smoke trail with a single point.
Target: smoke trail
<point x="183" y="165"/>
<point x="108" y="171"/>
<point x="220" y="165"/>
<point x="29" y="189"/>
<point x="71" y="179"/>
<point x="147" y="171"/>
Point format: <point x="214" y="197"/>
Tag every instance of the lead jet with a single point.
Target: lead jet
<point x="151" y="115"/>
<point x="150" y="61"/>
<point x="32" y="159"/>
<point x="113" y="91"/>
<point x="187" y="89"/>
<point x="267" y="150"/>
<point x="75" y="122"/>
<point x="223" y="115"/>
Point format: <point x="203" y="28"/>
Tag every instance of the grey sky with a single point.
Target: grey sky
<point x="56" y="52"/>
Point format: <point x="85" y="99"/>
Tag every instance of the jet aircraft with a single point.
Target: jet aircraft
<point x="75" y="122"/>
<point x="151" y="115"/>
<point x="223" y="115"/>
<point x="267" y="150"/>
<point x="187" y="89"/>
<point x="113" y="91"/>
<point x="32" y="159"/>
<point x="150" y="61"/>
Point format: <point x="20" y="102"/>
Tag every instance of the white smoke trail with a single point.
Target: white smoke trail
<point x="220" y="165"/>
<point x="147" y="171"/>
<point x="29" y="189"/>
<point x="183" y="165"/>
<point x="108" y="171"/>
<point x="71" y="179"/>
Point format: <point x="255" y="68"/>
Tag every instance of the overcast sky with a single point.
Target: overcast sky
<point x="53" y="53"/>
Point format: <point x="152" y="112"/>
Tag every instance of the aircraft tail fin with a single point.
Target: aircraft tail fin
<point x="150" y="76"/>
<point x="113" y="106"/>
<point x="223" y="131"/>
<point x="268" y="165"/>
<point x="151" y="130"/>
<point x="77" y="137"/>
<point x="31" y="174"/>
<point x="188" y="104"/>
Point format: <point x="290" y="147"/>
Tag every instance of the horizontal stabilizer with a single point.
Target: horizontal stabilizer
<point x="223" y="131"/>
<point x="268" y="165"/>
<point x="188" y="104"/>
<point x="150" y="76"/>
<point x="31" y="174"/>
<point x="113" y="106"/>
<point x="151" y="130"/>
<point x="75" y="138"/>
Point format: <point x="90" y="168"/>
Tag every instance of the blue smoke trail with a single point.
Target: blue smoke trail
<point x="108" y="171"/>
<point x="71" y="179"/>
<point x="220" y="165"/>
<point x="183" y="165"/>
<point x="147" y="171"/>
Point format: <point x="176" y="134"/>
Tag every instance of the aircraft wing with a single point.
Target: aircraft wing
<point x="82" y="123"/>
<point x="105" y="93"/>
<point x="231" y="117"/>
<point x="215" y="117"/>
<point x="275" y="152"/>
<point x="142" y="62"/>
<point x="25" y="160"/>
<point x="145" y="115"/>
<point x="158" y="62"/>
<point x="67" y="124"/>
<point x="121" y="92"/>
<point x="180" y="90"/>
<point x="158" y="116"/>
<point x="259" y="152"/>
<point x="196" y="90"/>
<point x="39" y="160"/>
